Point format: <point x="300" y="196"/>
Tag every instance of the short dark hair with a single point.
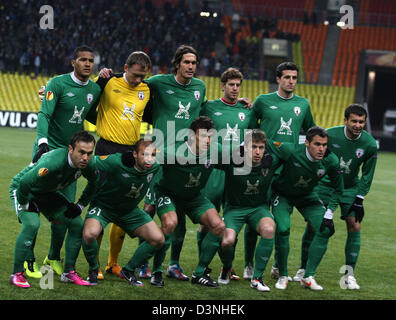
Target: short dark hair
<point x="355" y="108"/>
<point x="180" y="51"/>
<point x="79" y="49"/>
<point x="146" y="140"/>
<point x="231" y="73"/>
<point x="316" y="131"/>
<point x="202" y="122"/>
<point x="83" y="136"/>
<point x="140" y="58"/>
<point x="288" y="65"/>
<point x="255" y="135"/>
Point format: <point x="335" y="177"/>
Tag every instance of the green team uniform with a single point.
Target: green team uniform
<point x="174" y="106"/>
<point x="282" y="119"/>
<point x="118" y="193"/>
<point x="231" y="121"/>
<point x="353" y="155"/>
<point x="294" y="187"/>
<point x="66" y="104"/>
<point x="37" y="183"/>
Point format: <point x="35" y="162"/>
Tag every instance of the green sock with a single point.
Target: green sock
<point x="305" y="244"/>
<point x="23" y="245"/>
<point x="58" y="232"/>
<point x="73" y="242"/>
<point x="352" y="248"/>
<point x="159" y="256"/>
<point x="200" y="237"/>
<point x="227" y="256"/>
<point x="210" y="245"/>
<point x="263" y="254"/>
<point x="250" y="238"/>
<point x="316" y="252"/>
<point x="143" y="252"/>
<point x="91" y="254"/>
<point x="177" y="240"/>
<point x="283" y="247"/>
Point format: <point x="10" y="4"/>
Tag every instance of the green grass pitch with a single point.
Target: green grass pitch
<point x="374" y="270"/>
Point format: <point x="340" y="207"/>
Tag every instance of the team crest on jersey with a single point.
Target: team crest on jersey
<point x="320" y="173"/>
<point x="297" y="110"/>
<point x="264" y="171"/>
<point x="207" y="164"/>
<point x="359" y="152"/>
<point x="242" y="116"/>
<point x="197" y="94"/>
<point x="49" y="96"/>
<point x="77" y="174"/>
<point x="149" y="177"/>
<point x="141" y="95"/>
<point x="89" y="97"/>
<point x="43" y="172"/>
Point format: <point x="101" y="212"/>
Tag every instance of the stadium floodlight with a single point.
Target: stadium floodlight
<point x="214" y="14"/>
<point x="204" y="14"/>
<point x="340" y="24"/>
<point x="326" y="22"/>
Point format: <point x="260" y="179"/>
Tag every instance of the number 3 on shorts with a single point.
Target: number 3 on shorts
<point x="95" y="210"/>
<point x="163" y="201"/>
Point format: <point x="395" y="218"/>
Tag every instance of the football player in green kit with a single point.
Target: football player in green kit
<point x="36" y="189"/>
<point x="177" y="193"/>
<point x="68" y="100"/>
<point x="125" y="178"/>
<point x="282" y="115"/>
<point x="230" y="117"/>
<point x="304" y="165"/>
<point x="356" y="149"/>
<point x="247" y="201"/>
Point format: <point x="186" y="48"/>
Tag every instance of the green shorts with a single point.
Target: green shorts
<point x="128" y="222"/>
<point x="194" y="208"/>
<point x="235" y="217"/>
<point x="347" y="199"/>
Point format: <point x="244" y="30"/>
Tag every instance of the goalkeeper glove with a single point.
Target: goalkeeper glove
<point x="43" y="148"/>
<point x="327" y="222"/>
<point x="357" y="207"/>
<point x="73" y="210"/>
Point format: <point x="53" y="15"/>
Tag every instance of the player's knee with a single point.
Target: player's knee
<point x="89" y="235"/>
<point x="227" y="242"/>
<point x="31" y="227"/>
<point x="268" y="230"/>
<point x="158" y="241"/>
<point x="352" y="225"/>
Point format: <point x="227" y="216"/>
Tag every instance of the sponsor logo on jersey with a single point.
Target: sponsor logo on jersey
<point x="116" y="91"/>
<point x="345" y="165"/>
<point x="218" y="114"/>
<point x="297" y="110"/>
<point x="49" y="96"/>
<point x="135" y="191"/>
<point x="252" y="188"/>
<point x="285" y="127"/>
<point x="70" y="94"/>
<point x="241" y="116"/>
<point x="170" y="92"/>
<point x="335" y="145"/>
<point x="183" y="113"/>
<point x="359" y="152"/>
<point x="141" y="95"/>
<point x="43" y="172"/>
<point x="197" y="94"/>
<point x="193" y="181"/>
<point x="77" y="115"/>
<point x="89" y="97"/>
<point x="231" y="133"/>
<point x="273" y="107"/>
<point x="128" y="112"/>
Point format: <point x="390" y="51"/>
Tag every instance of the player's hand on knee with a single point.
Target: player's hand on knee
<point x="358" y="208"/>
<point x="73" y="210"/>
<point x="327" y="222"/>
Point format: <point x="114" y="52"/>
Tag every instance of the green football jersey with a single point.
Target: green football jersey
<point x="65" y="106"/>
<point x="249" y="186"/>
<point x="121" y="187"/>
<point x="175" y="106"/>
<point x="233" y="119"/>
<point x="189" y="172"/>
<point x="282" y="119"/>
<point x="353" y="155"/>
<point x="51" y="173"/>
<point x="300" y="174"/>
